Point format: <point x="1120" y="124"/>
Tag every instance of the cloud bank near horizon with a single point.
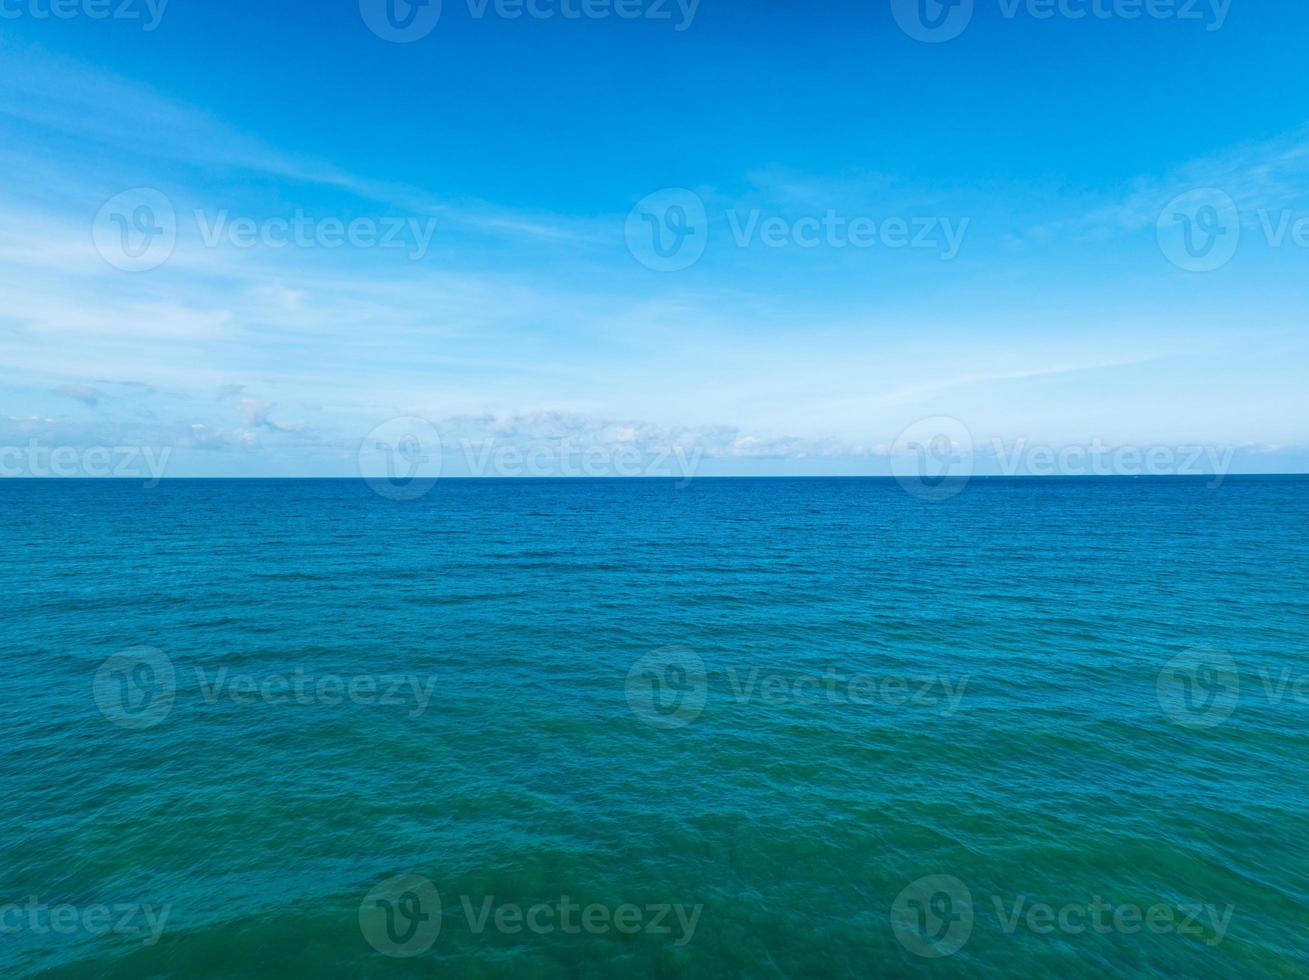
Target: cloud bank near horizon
<point x="524" y="327"/>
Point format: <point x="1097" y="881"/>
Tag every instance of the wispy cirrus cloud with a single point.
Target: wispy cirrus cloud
<point x="1263" y="174"/>
<point x="91" y="105"/>
<point x="542" y="326"/>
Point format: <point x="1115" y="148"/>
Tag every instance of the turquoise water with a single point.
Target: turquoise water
<point x="759" y="728"/>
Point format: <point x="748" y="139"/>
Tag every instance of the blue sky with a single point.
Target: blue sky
<point x="1012" y="272"/>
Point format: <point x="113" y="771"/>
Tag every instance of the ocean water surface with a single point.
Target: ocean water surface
<point x="735" y="728"/>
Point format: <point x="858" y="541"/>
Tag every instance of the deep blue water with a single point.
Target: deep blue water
<point x="780" y="702"/>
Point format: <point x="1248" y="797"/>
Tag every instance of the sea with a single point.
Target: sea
<point x="654" y="728"/>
